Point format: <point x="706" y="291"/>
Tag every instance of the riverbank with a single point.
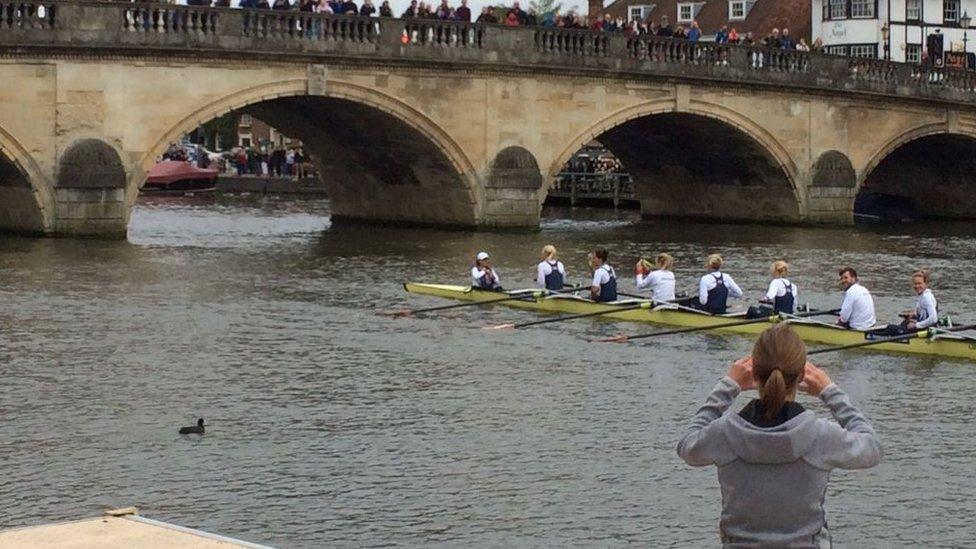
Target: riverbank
<point x="270" y="185"/>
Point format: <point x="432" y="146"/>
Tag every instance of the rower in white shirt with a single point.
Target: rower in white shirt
<point x="715" y="288"/>
<point x="660" y="281"/>
<point x="926" y="312"/>
<point x="551" y="273"/>
<point x="604" y="285"/>
<point x="781" y="293"/>
<point x="483" y="275"/>
<point x="857" y="311"/>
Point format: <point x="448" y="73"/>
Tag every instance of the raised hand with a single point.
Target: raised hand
<point x="814" y="381"/>
<point x="741" y="373"/>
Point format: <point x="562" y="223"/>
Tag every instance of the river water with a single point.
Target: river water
<point x="332" y="426"/>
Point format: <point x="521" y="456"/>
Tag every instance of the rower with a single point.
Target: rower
<point x="857" y="311"/>
<point x="483" y="275"/>
<point x="660" y="281"/>
<point x="715" y="288"/>
<point x="604" y="286"/>
<point x="551" y="273"/>
<point x="926" y="313"/>
<point x="781" y="292"/>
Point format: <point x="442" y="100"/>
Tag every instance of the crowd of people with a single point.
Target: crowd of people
<point x="516" y="16"/>
<point x="291" y="162"/>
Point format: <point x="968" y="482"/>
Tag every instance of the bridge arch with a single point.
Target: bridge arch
<point x="427" y="156"/>
<point x="923" y="172"/>
<point x="663" y="115"/>
<point x="26" y="201"/>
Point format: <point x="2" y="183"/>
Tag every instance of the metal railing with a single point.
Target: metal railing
<point x="611" y="187"/>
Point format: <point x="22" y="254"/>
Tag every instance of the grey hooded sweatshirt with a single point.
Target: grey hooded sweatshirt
<point x="774" y="479"/>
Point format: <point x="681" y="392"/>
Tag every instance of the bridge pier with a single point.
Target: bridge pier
<point x="512" y="190"/>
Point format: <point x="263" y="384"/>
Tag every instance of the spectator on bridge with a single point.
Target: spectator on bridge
<point x="679" y="33"/>
<point x="322" y="7"/>
<point x="306" y="6"/>
<point x="411" y="12"/>
<point x="694" y="33"/>
<point x="248" y="4"/>
<point x="722" y="35"/>
<point x="532" y="18"/>
<point x="521" y="15"/>
<point x="748" y="40"/>
<point x="349" y="8"/>
<point x="385" y="9"/>
<point x="444" y="11"/>
<point x="773" y="40"/>
<point x="222" y="4"/>
<point x="281" y="5"/>
<point x="463" y="12"/>
<point x="511" y="20"/>
<point x="665" y="30"/>
<point x="263" y="5"/>
<point x="367" y="9"/>
<point x="733" y="36"/>
<point x="817" y="45"/>
<point x="786" y="41"/>
<point x="803" y="46"/>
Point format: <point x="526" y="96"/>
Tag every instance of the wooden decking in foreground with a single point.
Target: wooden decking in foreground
<point x="118" y="529"/>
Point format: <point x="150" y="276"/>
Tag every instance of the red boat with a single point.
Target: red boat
<point x="172" y="176"/>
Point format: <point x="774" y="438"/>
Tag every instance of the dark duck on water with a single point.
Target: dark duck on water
<point x="197" y="430"/>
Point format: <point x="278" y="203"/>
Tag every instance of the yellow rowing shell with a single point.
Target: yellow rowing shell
<point x="809" y="329"/>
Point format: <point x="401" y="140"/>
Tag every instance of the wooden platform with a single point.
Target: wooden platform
<point x="119" y="529"/>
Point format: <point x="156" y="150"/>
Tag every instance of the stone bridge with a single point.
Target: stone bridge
<point x="462" y="124"/>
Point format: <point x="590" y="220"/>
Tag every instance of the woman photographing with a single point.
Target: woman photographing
<point x="774" y="457"/>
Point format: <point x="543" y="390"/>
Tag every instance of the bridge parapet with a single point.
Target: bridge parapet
<point x="36" y="28"/>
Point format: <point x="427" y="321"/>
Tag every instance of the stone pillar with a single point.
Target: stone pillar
<point x="832" y="190"/>
<point x="512" y="190"/>
<point x="90" y="192"/>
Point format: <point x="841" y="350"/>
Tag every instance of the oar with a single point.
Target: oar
<point x="774" y="318"/>
<point x="641" y="305"/>
<point x="880" y="340"/>
<point x="511" y="297"/>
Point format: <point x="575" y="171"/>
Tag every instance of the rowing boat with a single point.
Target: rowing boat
<point x="810" y="330"/>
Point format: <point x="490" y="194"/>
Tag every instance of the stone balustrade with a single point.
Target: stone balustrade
<point x="39" y="28"/>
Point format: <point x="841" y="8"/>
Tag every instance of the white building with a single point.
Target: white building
<point x="900" y="30"/>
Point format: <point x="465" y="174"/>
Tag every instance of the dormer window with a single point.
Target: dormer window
<point x="739" y="9"/>
<point x="687" y="12"/>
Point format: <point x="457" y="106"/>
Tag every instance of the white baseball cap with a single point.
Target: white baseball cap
<point x="481" y="256"/>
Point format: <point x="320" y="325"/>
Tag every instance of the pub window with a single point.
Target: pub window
<point x="686" y="13"/>
<point x="950" y="11"/>
<point x="862" y="9"/>
<point x="913" y="53"/>
<point x="869" y="51"/>
<point x="913" y="10"/>
<point x="838" y="9"/>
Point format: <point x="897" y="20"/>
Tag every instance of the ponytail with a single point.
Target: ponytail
<point x="773" y="394"/>
<point x="778" y="362"/>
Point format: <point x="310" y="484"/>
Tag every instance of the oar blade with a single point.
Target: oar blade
<point x="395" y="313"/>
<point x="499" y="327"/>
<point x="619" y="338"/>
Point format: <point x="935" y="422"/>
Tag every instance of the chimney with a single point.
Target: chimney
<point x="595" y="9"/>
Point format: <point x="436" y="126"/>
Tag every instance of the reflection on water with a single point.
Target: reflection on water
<point x="332" y="426"/>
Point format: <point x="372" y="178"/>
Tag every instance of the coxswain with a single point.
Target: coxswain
<point x="483" y="275"/>
<point x="551" y="273"/>
<point x="857" y="311"/>
<point x="781" y="293"/>
<point x="604" y="286"/>
<point x="715" y="288"/>
<point x="926" y="313"/>
<point x="660" y="281"/>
